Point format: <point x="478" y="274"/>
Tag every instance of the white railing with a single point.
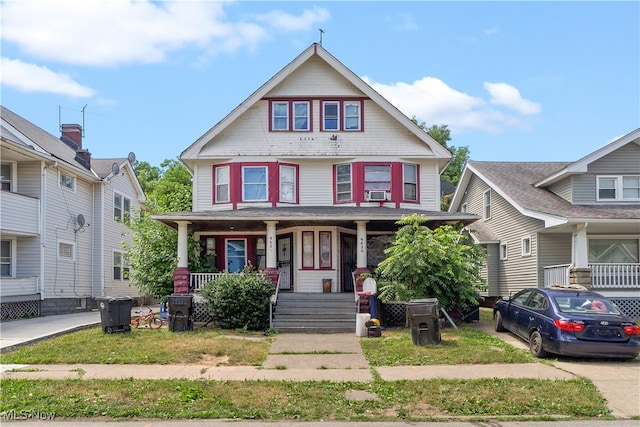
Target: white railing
<point x="12" y="287"/>
<point x="556" y="275"/>
<point x="199" y="280"/>
<point x="615" y="275"/>
<point x="603" y="276"/>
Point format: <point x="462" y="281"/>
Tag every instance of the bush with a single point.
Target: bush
<point x="240" y="300"/>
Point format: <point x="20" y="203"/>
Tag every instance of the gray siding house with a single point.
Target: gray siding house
<point x="546" y="223"/>
<point x="62" y="221"/>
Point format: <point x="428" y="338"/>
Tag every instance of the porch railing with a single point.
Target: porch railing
<point x="603" y="276"/>
<point x="199" y="280"/>
<point x="19" y="286"/>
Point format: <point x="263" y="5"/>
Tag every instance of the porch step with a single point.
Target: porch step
<point x="315" y="313"/>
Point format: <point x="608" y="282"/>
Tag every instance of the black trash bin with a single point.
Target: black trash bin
<point x="423" y="320"/>
<point x="180" y="313"/>
<point x="115" y="314"/>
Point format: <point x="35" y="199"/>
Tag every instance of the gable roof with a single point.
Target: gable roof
<point x="581" y="165"/>
<point x="515" y="182"/>
<point x="32" y="138"/>
<point x="104" y="169"/>
<point x="315" y="50"/>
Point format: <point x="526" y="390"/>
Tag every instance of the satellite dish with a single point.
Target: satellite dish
<point x="80" y="220"/>
<point x="131" y="157"/>
<point x="115" y="168"/>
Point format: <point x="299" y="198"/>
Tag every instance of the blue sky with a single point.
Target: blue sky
<point x="514" y="81"/>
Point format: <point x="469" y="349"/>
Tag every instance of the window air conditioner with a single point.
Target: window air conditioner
<point x="377" y="196"/>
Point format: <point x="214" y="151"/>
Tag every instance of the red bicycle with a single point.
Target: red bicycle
<point x="147" y="318"/>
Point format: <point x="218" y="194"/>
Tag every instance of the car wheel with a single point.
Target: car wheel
<point x="497" y="322"/>
<point x="535" y="344"/>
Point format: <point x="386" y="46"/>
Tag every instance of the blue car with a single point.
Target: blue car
<point x="569" y="322"/>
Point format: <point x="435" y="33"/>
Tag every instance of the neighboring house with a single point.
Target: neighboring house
<point x="62" y="221"/>
<point x="306" y="179"/>
<point x="546" y="223"/>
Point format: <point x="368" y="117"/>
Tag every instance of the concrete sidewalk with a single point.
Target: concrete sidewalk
<point x="322" y="357"/>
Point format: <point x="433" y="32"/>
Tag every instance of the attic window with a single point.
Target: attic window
<point x="291" y="115"/>
<point x="609" y="188"/>
<point x="67" y="181"/>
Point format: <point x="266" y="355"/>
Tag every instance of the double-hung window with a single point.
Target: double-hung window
<point x="121" y="208"/>
<point x="6" y="178"/>
<point x="486" y="204"/>
<point x="120" y="266"/>
<point x="291" y="115"/>
<point x="301" y="120"/>
<point x="331" y="115"/>
<point x="254" y="183"/>
<point x="526" y="246"/>
<point x="6" y="258"/>
<point x="280" y="116"/>
<point x="222" y="184"/>
<point x="618" y="188"/>
<point x="410" y="182"/>
<point x="288" y="178"/>
<point x="352" y="115"/>
<point x="343" y="183"/>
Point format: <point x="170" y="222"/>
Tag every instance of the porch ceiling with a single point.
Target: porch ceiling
<point x="253" y="219"/>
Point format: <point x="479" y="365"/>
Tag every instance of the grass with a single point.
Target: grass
<point x="466" y="345"/>
<point x="306" y="401"/>
<point x="145" y="346"/>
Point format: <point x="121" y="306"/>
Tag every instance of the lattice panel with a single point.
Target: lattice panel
<point x="629" y="306"/>
<point x="201" y="312"/>
<point x="19" y="310"/>
<point x="394" y="314"/>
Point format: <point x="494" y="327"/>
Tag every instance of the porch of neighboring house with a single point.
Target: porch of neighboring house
<point x="20" y="297"/>
<point x="620" y="282"/>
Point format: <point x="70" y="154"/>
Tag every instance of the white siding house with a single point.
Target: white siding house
<point x="307" y="177"/>
<point x="560" y="222"/>
<point x="58" y="234"/>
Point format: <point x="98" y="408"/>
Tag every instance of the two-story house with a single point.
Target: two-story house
<point x="63" y="219"/>
<point x="547" y="223"/>
<point x="307" y="177"/>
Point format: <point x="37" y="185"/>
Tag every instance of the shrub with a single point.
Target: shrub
<point x="240" y="300"/>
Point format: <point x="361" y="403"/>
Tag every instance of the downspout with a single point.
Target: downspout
<point x="43" y="225"/>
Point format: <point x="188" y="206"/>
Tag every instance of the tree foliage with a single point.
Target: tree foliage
<point x="425" y="263"/>
<point x="153" y="250"/>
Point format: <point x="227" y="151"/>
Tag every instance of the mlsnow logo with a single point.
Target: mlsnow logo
<point x="32" y="414"/>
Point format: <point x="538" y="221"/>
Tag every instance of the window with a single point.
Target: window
<point x="6" y="177"/>
<point x="210" y="251"/>
<point x="608" y="188"/>
<point x="254" y="183"/>
<point x="614" y="251"/>
<point x="343" y="183"/>
<point x="352" y="115"/>
<point x="66" y="250"/>
<point x="236" y="255"/>
<point x="301" y="116"/>
<point x="121" y="208"/>
<point x="280" y="116"/>
<point x="487" y="204"/>
<point x="222" y="184"/>
<point x="463" y="208"/>
<point x="288" y="180"/>
<point x="67" y="181"/>
<point x="120" y="266"/>
<point x="503" y="251"/>
<point x="330" y="115"/>
<point x="325" y="249"/>
<point x="307" y="249"/>
<point x="6" y="258"/>
<point x="526" y="246"/>
<point x="410" y="182"/>
<point x="377" y="178"/>
<point x="522" y="296"/>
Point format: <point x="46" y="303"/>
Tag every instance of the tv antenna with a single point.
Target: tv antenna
<point x="60" y="117"/>
<point x="321" y="33"/>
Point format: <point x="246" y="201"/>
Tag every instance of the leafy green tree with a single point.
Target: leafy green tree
<point x="153" y="250"/>
<point x="425" y="263"/>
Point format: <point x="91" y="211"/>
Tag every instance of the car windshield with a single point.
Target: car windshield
<point x="585" y="304"/>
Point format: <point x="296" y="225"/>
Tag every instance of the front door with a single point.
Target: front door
<point x="349" y="261"/>
<point x="285" y="255"/>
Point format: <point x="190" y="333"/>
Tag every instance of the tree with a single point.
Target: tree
<point x="153" y="250"/>
<point x="425" y="263"/>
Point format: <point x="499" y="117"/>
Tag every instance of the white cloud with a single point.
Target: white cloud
<point x="33" y="78"/>
<point x="287" y="22"/>
<point x="113" y="32"/>
<point x="508" y="96"/>
<point x="434" y="102"/>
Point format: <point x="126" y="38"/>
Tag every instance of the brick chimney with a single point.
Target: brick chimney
<point x="72" y="136"/>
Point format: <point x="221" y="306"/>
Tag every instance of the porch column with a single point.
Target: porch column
<point x="361" y="258"/>
<point x="181" y="275"/>
<point x="271" y="270"/>
<point x="580" y="273"/>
